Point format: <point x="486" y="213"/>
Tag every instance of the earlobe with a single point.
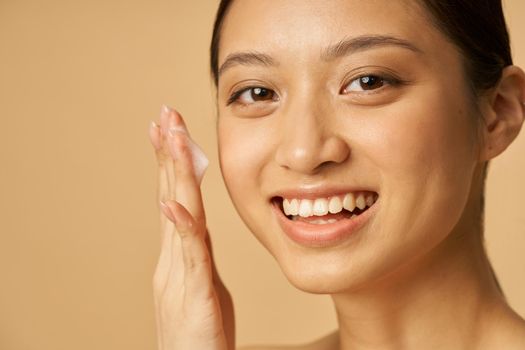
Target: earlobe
<point x="505" y="115"/>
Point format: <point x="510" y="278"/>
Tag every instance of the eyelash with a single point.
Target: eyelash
<point x="236" y="94"/>
<point x="385" y="80"/>
<point x="388" y="80"/>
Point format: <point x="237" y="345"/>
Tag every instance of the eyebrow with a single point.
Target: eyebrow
<point x="247" y="58"/>
<point x="365" y="42"/>
<point x="342" y="48"/>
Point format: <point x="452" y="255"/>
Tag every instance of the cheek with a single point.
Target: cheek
<point x="423" y="144"/>
<point x="244" y="150"/>
<point x="233" y="153"/>
<point x="425" y="151"/>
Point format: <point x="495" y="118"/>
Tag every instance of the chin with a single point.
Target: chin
<point x="314" y="279"/>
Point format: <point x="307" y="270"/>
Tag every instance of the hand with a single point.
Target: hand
<point x="193" y="308"/>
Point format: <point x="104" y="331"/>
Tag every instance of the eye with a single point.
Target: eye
<point x="365" y="83"/>
<point x="251" y="95"/>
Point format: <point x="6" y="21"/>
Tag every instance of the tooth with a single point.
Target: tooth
<point x="335" y="205"/>
<point x="293" y="207"/>
<point x="370" y="200"/>
<point x="320" y="207"/>
<point x="360" y="201"/>
<point x="286" y="207"/>
<point x="322" y="222"/>
<point x="349" y="202"/>
<point x="305" y="208"/>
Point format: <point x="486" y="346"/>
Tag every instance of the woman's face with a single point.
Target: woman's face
<point x="346" y="96"/>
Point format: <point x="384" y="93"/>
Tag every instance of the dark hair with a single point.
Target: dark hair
<point x="216" y="37"/>
<point x="477" y="28"/>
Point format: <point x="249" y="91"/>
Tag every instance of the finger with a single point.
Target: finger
<point x="164" y="261"/>
<point x="154" y="135"/>
<point x="165" y="115"/>
<point x="167" y="229"/>
<point x="215" y="273"/>
<point x="160" y="279"/>
<point x="162" y="268"/>
<point x="162" y="186"/>
<point x="177" y="132"/>
<point x="187" y="189"/>
<point x="164" y="119"/>
<point x="171" y="253"/>
<point x="165" y="173"/>
<point x="197" y="268"/>
<point x="165" y="160"/>
<point x="163" y="190"/>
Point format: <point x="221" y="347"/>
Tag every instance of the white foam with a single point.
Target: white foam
<point x="199" y="159"/>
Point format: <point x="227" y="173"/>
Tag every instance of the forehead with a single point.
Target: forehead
<point x="301" y="28"/>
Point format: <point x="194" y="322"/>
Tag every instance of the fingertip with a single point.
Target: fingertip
<point x="178" y="119"/>
<point x="165" y="109"/>
<point x="154" y="135"/>
<point x="164" y="118"/>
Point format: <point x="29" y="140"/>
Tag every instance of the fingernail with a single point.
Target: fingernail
<point x="164" y="119"/>
<point x="165" y="109"/>
<point x="154" y="135"/>
<point x="178" y="119"/>
<point x="167" y="211"/>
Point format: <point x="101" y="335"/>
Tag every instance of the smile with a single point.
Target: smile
<point x="308" y="209"/>
<point x="326" y="221"/>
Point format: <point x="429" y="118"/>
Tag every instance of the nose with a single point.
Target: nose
<point x="310" y="140"/>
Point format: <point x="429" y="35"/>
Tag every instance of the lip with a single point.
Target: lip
<point x="324" y="235"/>
<point x="313" y="192"/>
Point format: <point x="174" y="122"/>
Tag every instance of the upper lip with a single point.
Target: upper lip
<point x="316" y="191"/>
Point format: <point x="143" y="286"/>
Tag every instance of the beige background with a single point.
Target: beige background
<point x="79" y="83"/>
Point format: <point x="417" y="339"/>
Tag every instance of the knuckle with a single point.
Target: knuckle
<point x="194" y="264"/>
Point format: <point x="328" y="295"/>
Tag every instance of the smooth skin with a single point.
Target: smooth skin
<point x="417" y="275"/>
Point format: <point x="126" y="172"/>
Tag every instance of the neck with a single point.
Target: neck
<point x="443" y="300"/>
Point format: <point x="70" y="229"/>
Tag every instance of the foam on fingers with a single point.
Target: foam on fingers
<point x="200" y="161"/>
<point x="174" y="124"/>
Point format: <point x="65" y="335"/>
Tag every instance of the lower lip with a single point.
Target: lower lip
<point x="322" y="235"/>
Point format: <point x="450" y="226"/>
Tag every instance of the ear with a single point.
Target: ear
<point x="504" y="113"/>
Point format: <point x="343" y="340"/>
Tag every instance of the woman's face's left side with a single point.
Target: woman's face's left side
<point x="310" y="121"/>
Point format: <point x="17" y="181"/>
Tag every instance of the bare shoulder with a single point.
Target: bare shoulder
<point x="516" y="335"/>
<point x="327" y="342"/>
<point x="508" y="333"/>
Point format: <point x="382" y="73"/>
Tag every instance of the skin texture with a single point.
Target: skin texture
<point x="416" y="276"/>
